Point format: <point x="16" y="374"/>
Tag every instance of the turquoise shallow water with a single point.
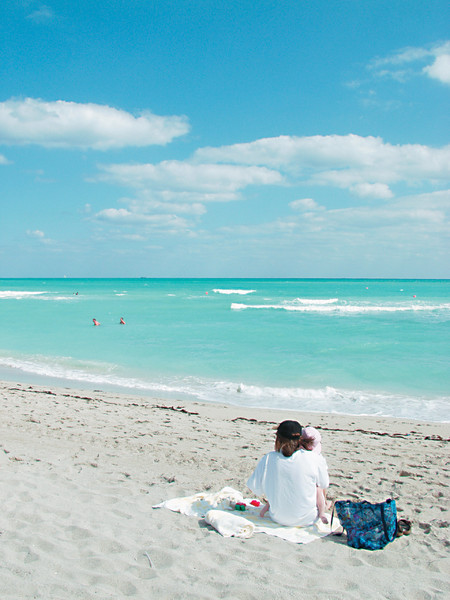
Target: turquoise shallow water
<point x="346" y="346"/>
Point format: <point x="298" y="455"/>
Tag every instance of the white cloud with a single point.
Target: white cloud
<point x="150" y="202"/>
<point x="63" y="124"/>
<point x="440" y="69"/>
<point x="37" y="233"/>
<point x="304" y="204"/>
<point x="419" y="220"/>
<point x="184" y="176"/>
<point x="364" y="165"/>
<point x="178" y="183"/>
<point x="372" y="190"/>
<point x="4" y="160"/>
<point x="402" y="57"/>
<point x="123" y="216"/>
<point x="405" y="63"/>
<point x="168" y="189"/>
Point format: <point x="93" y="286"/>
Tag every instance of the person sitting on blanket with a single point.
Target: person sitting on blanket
<point x="311" y="440"/>
<point x="289" y="477"/>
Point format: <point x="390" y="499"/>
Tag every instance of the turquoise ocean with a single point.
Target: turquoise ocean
<point x="350" y="346"/>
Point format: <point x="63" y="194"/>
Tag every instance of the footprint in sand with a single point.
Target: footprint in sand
<point x="426" y="527"/>
<point x="78" y="533"/>
<point x="30" y="556"/>
<point x="128" y="589"/>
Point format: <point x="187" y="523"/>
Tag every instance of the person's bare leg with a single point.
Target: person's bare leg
<point x="328" y="503"/>
<point x="264" y="510"/>
<point x="320" y="500"/>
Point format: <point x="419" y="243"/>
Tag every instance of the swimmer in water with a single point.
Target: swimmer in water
<point x="96" y="322"/>
<point x="122" y="322"/>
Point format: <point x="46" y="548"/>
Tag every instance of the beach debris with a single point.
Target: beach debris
<point x="180" y="409"/>
<point x="404" y="436"/>
<point x="437" y="438"/>
<point x="405" y="474"/>
<point x="253" y="421"/>
<point x="170" y="479"/>
<point x="149" y="559"/>
<point x="442" y="523"/>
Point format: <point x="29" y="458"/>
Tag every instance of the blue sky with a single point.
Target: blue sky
<point x="234" y="139"/>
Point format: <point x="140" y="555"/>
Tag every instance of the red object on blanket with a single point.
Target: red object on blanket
<point x="255" y="503"/>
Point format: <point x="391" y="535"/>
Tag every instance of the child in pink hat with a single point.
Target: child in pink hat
<point x="312" y="440"/>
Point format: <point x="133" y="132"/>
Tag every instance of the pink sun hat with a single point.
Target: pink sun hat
<point x="313" y="434"/>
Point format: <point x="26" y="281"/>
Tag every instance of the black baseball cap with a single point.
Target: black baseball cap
<point x="290" y="430"/>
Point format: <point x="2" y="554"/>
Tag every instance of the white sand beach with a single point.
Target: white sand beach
<point x="80" y="472"/>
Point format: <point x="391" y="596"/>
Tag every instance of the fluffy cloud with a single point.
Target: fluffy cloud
<point x="126" y="217"/>
<point x="188" y="182"/>
<point x="151" y="202"/>
<point x="440" y="69"/>
<point x="63" y="124"/>
<point x="364" y="165"/>
<point x="168" y="189"/>
<point x="4" y="160"/>
<point x="418" y="220"/>
<point x="304" y="204"/>
<point x="372" y="190"/>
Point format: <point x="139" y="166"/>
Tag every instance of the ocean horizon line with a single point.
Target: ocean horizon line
<point x="228" y="278"/>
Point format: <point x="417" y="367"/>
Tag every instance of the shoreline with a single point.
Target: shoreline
<point x="13" y="375"/>
<point x="81" y="470"/>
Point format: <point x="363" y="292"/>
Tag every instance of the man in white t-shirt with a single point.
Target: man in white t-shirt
<point x="289" y="476"/>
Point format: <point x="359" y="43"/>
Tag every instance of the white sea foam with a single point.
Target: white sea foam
<point x="12" y="295"/>
<point x="343" y="308"/>
<point x="314" y="301"/>
<point x="240" y="292"/>
<point x="327" y="399"/>
<point x="16" y="295"/>
<point x="57" y="297"/>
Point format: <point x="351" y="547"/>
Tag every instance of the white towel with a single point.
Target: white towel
<point x="199" y="504"/>
<point x="229" y="525"/>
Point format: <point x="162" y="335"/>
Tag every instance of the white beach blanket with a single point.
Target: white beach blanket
<point x="218" y="510"/>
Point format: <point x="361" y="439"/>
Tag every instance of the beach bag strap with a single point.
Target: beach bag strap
<point x="389" y="537"/>
<point x="333" y="510"/>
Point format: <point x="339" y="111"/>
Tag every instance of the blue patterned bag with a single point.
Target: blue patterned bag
<point x="369" y="526"/>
